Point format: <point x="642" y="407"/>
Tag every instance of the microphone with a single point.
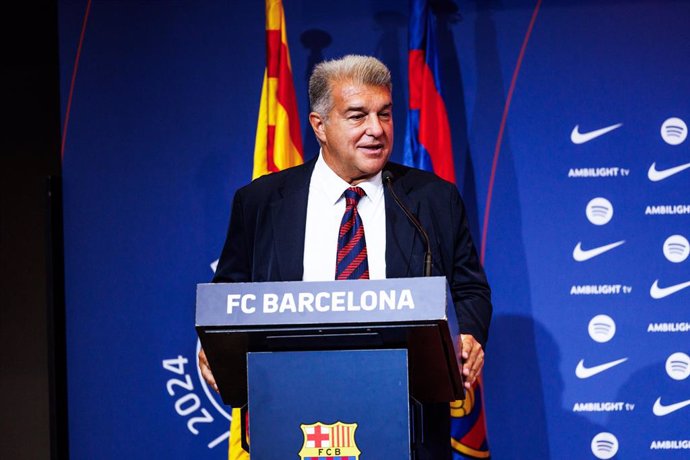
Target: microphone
<point x="387" y="177"/>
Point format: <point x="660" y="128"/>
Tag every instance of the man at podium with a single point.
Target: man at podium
<point x="351" y="214"/>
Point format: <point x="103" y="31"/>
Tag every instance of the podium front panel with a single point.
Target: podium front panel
<point x="341" y="402"/>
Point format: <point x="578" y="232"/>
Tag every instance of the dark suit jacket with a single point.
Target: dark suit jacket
<point x="265" y="240"/>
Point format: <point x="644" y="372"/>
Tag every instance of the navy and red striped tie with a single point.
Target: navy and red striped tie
<point x="351" y="261"/>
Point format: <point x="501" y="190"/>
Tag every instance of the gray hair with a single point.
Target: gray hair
<point x="353" y="68"/>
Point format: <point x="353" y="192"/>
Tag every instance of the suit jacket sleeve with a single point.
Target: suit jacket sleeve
<point x="468" y="283"/>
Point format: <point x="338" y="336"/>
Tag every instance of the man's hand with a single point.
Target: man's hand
<point x="472" y="359"/>
<point x="206" y="371"/>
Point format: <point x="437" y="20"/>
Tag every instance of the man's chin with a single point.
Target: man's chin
<point x="370" y="169"/>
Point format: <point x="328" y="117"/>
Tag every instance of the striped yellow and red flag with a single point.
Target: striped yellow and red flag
<point x="278" y="146"/>
<point x="278" y="138"/>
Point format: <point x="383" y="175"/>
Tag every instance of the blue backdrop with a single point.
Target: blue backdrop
<point x="588" y="355"/>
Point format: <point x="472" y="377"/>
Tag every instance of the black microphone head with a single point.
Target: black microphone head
<point x="387" y="176"/>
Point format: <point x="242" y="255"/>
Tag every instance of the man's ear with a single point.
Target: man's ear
<point x="318" y="123"/>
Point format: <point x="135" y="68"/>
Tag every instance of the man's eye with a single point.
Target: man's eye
<point x="384" y="115"/>
<point x="356" y="117"/>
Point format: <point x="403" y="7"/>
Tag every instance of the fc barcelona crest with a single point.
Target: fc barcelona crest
<point x="332" y="442"/>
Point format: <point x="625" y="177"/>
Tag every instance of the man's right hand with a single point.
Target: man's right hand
<point x="206" y="371"/>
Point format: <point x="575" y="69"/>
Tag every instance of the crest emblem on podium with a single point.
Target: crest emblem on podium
<point x="332" y="442"/>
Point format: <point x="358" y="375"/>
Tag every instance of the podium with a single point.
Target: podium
<point x="332" y="369"/>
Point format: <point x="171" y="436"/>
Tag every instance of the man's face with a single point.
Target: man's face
<point x="357" y="136"/>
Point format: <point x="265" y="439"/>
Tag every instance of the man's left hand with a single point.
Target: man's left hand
<point x="472" y="359"/>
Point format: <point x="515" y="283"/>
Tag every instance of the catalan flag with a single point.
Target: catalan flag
<point x="278" y="146"/>
<point x="428" y="143"/>
<point x="278" y="139"/>
<point x="238" y="446"/>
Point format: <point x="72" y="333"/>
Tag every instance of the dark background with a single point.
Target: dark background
<point x="30" y="349"/>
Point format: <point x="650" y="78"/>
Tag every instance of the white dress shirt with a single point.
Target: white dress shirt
<point x="325" y="209"/>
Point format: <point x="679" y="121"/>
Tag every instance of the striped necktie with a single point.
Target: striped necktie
<point x="351" y="261"/>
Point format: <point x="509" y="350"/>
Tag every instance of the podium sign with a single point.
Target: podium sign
<point x="416" y="314"/>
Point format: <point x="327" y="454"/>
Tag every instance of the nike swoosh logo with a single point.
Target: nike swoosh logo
<point x="655" y="176"/>
<point x="581" y="255"/>
<point x="660" y="410"/>
<point x="586" y="372"/>
<point x="580" y="138"/>
<point x="659" y="293"/>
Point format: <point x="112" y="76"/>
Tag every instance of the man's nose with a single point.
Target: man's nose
<point x="374" y="127"/>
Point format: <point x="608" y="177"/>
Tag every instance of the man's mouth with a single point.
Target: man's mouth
<point x="372" y="148"/>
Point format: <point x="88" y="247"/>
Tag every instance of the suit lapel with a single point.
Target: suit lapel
<point x="401" y="235"/>
<point x="288" y="222"/>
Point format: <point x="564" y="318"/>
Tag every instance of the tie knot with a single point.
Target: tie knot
<point x="353" y="194"/>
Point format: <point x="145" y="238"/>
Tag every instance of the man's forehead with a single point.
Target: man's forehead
<point x="360" y="95"/>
